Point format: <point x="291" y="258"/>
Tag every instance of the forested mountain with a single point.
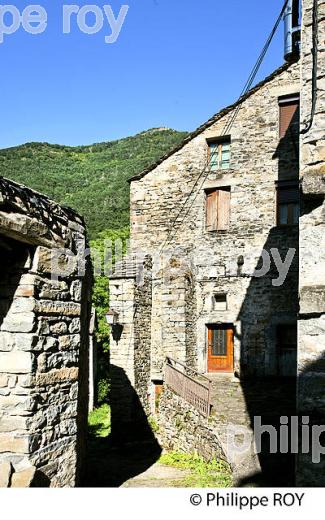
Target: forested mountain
<point x="90" y="179"/>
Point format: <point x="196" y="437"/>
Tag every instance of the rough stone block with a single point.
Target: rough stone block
<point x="76" y="290"/>
<point x="25" y="291"/>
<point x="312" y="300"/>
<point x="57" y="376"/>
<point x="51" y="289"/>
<point x="14" y="402"/>
<point x="22" y="305"/>
<point x="59" y="328"/>
<point x="5" y="474"/>
<point x="19" y="226"/>
<point x="19" y="322"/>
<point x="4" y="378"/>
<point x="16" y="362"/>
<point x="70" y="342"/>
<point x="6" y="342"/>
<point x="23" y="479"/>
<point x="313" y="182"/>
<point x="26" y="342"/>
<point x="75" y="326"/>
<point x="56" y="262"/>
<point x="13" y="444"/>
<point x="55" y="308"/>
<point x="10" y="423"/>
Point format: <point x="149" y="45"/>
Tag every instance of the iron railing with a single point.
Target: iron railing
<point x="189" y="384"/>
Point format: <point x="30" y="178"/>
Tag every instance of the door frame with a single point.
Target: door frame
<point x="224" y="326"/>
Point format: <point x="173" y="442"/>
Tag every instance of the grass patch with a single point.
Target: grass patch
<point x="153" y="424"/>
<point x="99" y="421"/>
<point x="215" y="473"/>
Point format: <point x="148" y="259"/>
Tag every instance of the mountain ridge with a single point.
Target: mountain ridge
<point x="91" y="179"/>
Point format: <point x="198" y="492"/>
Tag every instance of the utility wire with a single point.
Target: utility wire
<point x="315" y="66"/>
<point x="228" y="125"/>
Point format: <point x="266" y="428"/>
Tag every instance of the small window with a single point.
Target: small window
<point x="289" y="115"/>
<point x="288" y="208"/>
<point x="219" y="154"/>
<point x="219" y="342"/>
<point x="219" y="302"/>
<point x="218" y="209"/>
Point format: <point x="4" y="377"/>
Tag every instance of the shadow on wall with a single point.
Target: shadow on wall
<point x="83" y="379"/>
<point x="269" y="357"/>
<point x="274" y="321"/>
<point x="310" y="469"/>
<point x="13" y="259"/>
<point x="131" y="448"/>
<point x="296" y="468"/>
<point x="269" y="323"/>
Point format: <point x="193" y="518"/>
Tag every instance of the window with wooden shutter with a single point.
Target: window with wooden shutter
<point x="288" y="207"/>
<point x="211" y="211"/>
<point x="218" y="209"/>
<point x="289" y="115"/>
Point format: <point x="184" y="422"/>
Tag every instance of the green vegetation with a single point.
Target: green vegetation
<point x="215" y="473"/>
<point x="106" y="242"/>
<point x="90" y="179"/>
<point x="153" y="424"/>
<point x="99" y="421"/>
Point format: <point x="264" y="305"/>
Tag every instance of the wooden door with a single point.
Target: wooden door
<point x="220" y="349"/>
<point x="287" y="350"/>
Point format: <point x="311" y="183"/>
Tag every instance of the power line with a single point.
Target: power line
<point x="315" y="66"/>
<point x="228" y="125"/>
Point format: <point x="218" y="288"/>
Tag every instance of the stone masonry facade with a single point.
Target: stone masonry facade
<point x="311" y="352"/>
<point x="45" y="290"/>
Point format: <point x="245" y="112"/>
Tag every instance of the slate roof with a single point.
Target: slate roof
<point x="128" y="267"/>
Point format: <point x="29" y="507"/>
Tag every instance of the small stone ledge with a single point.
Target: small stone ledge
<point x="313" y="182"/>
<point x="57" y="376"/>
<point x="312" y="300"/>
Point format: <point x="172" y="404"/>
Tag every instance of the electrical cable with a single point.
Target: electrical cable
<point x="315" y="66"/>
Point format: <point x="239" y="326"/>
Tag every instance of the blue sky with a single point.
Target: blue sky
<point x="175" y="63"/>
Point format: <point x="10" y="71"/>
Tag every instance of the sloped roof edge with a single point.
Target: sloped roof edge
<point x="212" y="120"/>
<point x="34" y="202"/>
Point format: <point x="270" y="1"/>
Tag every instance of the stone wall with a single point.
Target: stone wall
<point x="142" y="336"/>
<point x="130" y="345"/>
<point x="44" y="332"/>
<point x="183" y="428"/>
<point x="311" y="355"/>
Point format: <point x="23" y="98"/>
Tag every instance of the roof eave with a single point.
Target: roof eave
<point x="212" y="121"/>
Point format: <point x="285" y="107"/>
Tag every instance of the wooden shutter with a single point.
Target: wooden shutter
<point x="288" y="195"/>
<point x="223" y="210"/>
<point x="288" y="110"/>
<point x="211" y="211"/>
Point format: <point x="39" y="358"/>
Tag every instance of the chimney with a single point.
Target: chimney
<point x="292" y="30"/>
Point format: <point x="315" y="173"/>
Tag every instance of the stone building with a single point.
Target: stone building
<point x="214" y="273"/>
<point x="205" y="301"/>
<point x="44" y="333"/>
